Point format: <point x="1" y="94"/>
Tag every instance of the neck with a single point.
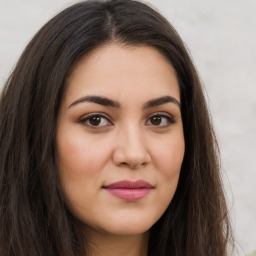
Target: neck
<point x="117" y="245"/>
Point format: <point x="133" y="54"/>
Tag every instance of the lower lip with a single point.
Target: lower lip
<point x="129" y="194"/>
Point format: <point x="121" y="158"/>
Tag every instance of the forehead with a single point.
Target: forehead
<point x="121" y="71"/>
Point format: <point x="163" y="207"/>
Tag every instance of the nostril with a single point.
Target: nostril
<point x="131" y="156"/>
<point x="133" y="166"/>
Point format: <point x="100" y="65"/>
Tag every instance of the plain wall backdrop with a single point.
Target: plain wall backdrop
<point x="221" y="37"/>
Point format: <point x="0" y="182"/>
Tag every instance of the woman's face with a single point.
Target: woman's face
<point x="120" y="140"/>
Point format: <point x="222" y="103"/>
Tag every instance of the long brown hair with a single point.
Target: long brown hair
<point x="34" y="220"/>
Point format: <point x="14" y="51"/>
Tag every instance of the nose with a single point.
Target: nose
<point x="131" y="148"/>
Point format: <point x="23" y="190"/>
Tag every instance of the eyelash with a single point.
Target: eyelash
<point x="85" y="121"/>
<point x="169" y="120"/>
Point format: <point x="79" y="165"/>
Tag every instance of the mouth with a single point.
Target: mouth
<point x="129" y="190"/>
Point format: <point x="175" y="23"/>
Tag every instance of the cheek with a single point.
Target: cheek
<point x="169" y="160"/>
<point x="80" y="155"/>
<point x="169" y="155"/>
<point x="80" y="164"/>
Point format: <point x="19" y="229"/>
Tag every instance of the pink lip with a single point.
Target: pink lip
<point x="129" y="190"/>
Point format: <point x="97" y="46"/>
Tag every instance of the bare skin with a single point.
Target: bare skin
<point x="120" y="120"/>
<point x="100" y="244"/>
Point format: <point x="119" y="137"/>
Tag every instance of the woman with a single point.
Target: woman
<point x="106" y="143"/>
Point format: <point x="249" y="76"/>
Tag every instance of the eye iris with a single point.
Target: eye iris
<point x="95" y="120"/>
<point x="156" y="120"/>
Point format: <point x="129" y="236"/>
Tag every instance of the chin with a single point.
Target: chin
<point x="129" y="227"/>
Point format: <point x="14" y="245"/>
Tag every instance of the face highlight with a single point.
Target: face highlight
<point x="120" y="140"/>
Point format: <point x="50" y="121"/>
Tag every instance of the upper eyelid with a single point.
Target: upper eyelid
<point x="110" y="119"/>
<point x="107" y="115"/>
<point x="161" y="113"/>
<point x="84" y="119"/>
<point x="95" y="114"/>
<point x="169" y="117"/>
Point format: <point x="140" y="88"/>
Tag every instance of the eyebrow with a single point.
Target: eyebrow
<point x="99" y="100"/>
<point x="115" y="104"/>
<point x="160" y="101"/>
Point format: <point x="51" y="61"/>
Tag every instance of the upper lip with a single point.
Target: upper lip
<point x="129" y="184"/>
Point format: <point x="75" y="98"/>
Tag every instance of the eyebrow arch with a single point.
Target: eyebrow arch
<point x="97" y="99"/>
<point x="111" y="103"/>
<point x="161" y="101"/>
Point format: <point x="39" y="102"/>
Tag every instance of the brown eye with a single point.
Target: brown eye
<point x="156" y="120"/>
<point x="95" y="121"/>
<point x="161" y="121"/>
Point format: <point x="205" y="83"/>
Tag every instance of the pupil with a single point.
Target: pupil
<point x="95" y="120"/>
<point x="156" y="120"/>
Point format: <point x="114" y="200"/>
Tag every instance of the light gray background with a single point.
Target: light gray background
<point x="221" y="36"/>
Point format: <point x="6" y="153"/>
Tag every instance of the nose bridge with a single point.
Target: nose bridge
<point x="133" y="137"/>
<point x="131" y="146"/>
